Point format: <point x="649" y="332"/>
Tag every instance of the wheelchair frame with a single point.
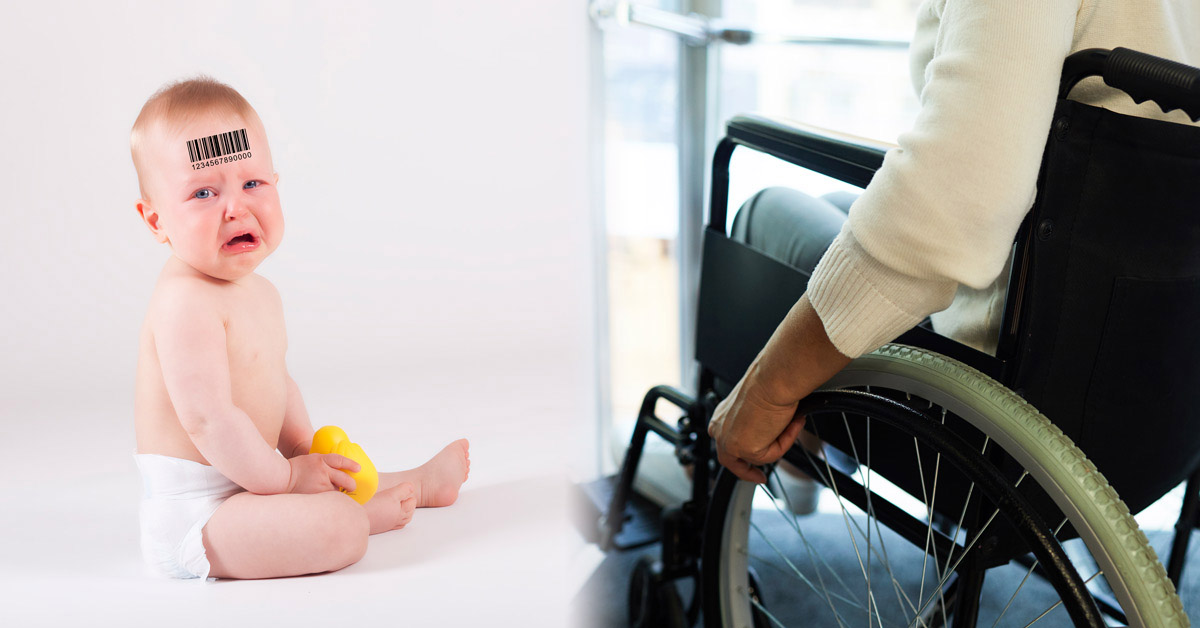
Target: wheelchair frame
<point x="855" y="161"/>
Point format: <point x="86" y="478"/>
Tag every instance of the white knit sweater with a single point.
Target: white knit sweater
<point x="940" y="216"/>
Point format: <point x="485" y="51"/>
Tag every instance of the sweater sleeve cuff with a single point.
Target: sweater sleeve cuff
<point x="863" y="303"/>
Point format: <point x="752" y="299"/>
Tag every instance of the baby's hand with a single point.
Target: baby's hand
<point x="317" y="473"/>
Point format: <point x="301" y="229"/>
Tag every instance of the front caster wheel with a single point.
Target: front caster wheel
<point x="654" y="601"/>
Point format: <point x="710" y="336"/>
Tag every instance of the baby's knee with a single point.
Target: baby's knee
<point x="344" y="530"/>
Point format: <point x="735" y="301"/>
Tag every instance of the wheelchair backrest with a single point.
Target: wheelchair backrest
<point x="1108" y="339"/>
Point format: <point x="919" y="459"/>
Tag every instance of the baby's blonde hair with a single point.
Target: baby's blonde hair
<point x="177" y="104"/>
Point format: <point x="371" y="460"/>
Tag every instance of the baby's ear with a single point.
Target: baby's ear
<point x="151" y="218"/>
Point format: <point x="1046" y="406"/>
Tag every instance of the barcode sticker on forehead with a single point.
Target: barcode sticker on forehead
<point x="218" y="145"/>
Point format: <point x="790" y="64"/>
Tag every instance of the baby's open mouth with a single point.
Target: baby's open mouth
<point x="241" y="243"/>
<point x="245" y="237"/>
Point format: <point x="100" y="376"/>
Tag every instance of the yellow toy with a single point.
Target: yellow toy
<point x="332" y="440"/>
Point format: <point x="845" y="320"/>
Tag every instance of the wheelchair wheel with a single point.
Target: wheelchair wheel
<point x="1009" y="490"/>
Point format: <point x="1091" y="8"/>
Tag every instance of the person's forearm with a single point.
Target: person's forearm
<point x="797" y="359"/>
<point x="233" y="445"/>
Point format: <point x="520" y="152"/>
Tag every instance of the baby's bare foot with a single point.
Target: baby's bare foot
<point x="392" y="509"/>
<point x="443" y="474"/>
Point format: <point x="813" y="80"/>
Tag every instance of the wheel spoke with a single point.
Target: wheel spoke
<point x="811" y="551"/>
<point x="883" y="558"/>
<point x="1058" y="603"/>
<point x="1014" y="595"/>
<point x="769" y="563"/>
<point x="871" y="603"/>
<point x="929" y="501"/>
<point x="762" y="609"/>
<point x="901" y="597"/>
<point x="812" y="554"/>
<point x="796" y="572"/>
<point x="966" y="549"/>
<point x="864" y="481"/>
<point x="929" y="544"/>
<point x="963" y="515"/>
<point x="1023" y="580"/>
<point x="845" y="514"/>
<point x="887" y="565"/>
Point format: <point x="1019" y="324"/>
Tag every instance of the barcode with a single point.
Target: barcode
<point x="217" y="145"/>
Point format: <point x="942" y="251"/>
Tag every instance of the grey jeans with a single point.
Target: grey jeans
<point x="792" y="226"/>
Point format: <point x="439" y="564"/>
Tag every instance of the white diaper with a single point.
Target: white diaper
<point x="178" y="498"/>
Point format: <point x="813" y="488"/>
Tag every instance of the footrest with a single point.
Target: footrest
<point x="642" y="517"/>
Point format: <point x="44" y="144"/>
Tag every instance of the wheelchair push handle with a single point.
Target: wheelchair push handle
<point x="1170" y="84"/>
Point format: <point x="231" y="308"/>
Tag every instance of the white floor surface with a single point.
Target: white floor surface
<point x="69" y="553"/>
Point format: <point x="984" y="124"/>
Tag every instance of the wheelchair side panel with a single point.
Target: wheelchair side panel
<point x="744" y="294"/>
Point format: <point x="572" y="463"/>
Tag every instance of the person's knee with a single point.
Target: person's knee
<point x="768" y="199"/>
<point x="781" y="208"/>
<point x="842" y="199"/>
<point x="779" y="197"/>
<point x="789" y="225"/>
<point x="343" y="531"/>
<point x="763" y="201"/>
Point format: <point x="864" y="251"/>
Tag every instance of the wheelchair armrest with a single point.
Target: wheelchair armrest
<point x="842" y="156"/>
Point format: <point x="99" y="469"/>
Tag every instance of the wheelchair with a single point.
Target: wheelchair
<point x="957" y="501"/>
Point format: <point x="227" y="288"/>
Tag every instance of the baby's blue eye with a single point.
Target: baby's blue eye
<point x="250" y="185"/>
<point x="203" y="191"/>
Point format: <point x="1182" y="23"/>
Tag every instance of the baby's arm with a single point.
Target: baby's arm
<point x="295" y="437"/>
<point x="189" y="335"/>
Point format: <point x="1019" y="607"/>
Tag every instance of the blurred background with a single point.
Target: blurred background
<point x="666" y="99"/>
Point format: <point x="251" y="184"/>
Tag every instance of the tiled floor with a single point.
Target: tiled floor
<point x="602" y="602"/>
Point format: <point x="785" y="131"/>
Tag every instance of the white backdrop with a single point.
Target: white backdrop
<point x="438" y="266"/>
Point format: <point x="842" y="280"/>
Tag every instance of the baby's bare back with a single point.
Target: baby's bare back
<point x="256" y="343"/>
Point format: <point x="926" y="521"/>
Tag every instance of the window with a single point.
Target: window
<point x="642" y="210"/>
<point x="862" y="90"/>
